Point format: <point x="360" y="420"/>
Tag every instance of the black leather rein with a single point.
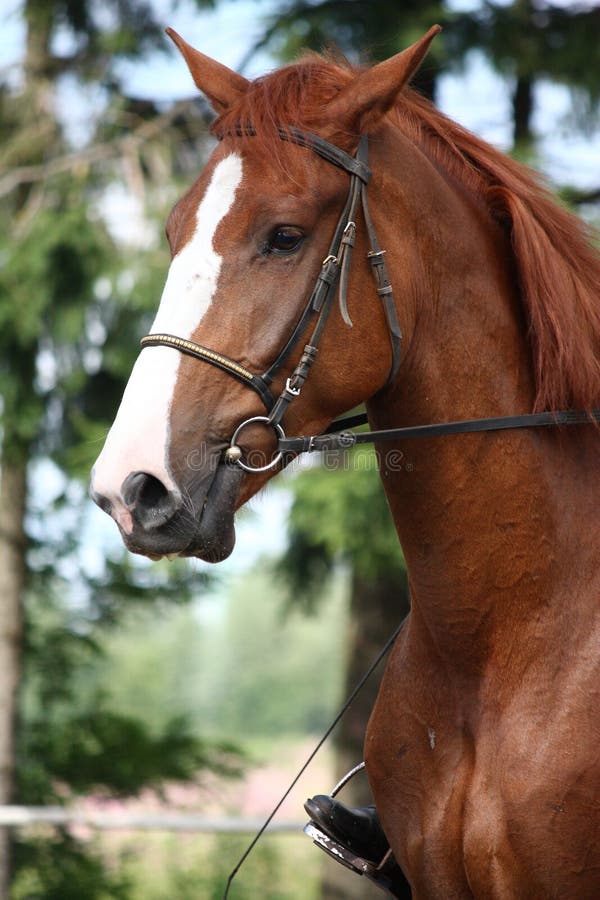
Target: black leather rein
<point x="334" y="274"/>
<point x="336" y="439"/>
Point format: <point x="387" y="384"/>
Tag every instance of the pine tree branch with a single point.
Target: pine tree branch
<point x="95" y="153"/>
<point x="579" y="197"/>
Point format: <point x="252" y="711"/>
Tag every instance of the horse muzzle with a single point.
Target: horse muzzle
<point x="196" y="520"/>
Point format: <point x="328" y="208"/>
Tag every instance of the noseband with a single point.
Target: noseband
<point x="334" y="273"/>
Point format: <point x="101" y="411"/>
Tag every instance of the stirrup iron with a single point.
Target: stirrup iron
<point x="379" y="873"/>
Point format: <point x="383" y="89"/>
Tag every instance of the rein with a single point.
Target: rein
<point x="343" y="440"/>
<point x="334" y="273"/>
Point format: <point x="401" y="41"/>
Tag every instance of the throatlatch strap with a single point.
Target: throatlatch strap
<point x="384" y="290"/>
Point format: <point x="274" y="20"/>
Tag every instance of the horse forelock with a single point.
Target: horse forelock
<point x="295" y="96"/>
<point x="558" y="267"/>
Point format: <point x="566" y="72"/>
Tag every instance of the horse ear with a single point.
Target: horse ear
<point x="222" y="86"/>
<point x="363" y="102"/>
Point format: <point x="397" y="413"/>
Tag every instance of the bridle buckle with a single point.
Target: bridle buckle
<point x="294" y="391"/>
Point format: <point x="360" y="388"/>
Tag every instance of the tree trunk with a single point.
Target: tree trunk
<point x="36" y="119"/>
<point x="522" y="104"/>
<point x="13" y="491"/>
<point x="377" y="607"/>
<point x="425" y="80"/>
<point x="522" y="99"/>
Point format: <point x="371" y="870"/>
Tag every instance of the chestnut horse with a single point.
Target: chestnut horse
<point x="483" y="750"/>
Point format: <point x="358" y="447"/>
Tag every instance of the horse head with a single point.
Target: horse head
<point x="248" y="240"/>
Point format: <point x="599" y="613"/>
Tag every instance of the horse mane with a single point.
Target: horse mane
<point x="557" y="265"/>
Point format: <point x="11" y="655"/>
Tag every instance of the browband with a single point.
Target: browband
<point x="327" y="151"/>
<point x="311" y="141"/>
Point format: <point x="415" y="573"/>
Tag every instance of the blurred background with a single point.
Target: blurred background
<point x="143" y="689"/>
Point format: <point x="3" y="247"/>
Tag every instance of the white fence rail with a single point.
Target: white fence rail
<point x="21" y="816"/>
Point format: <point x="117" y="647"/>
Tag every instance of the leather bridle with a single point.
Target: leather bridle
<point x="334" y="273"/>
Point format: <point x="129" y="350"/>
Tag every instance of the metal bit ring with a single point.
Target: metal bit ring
<point x="234" y="453"/>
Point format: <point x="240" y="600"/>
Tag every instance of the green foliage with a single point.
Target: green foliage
<point x="240" y="668"/>
<point x="72" y="307"/>
<point x="72" y="740"/>
<point x="61" y="868"/>
<point x="157" y="664"/>
<point x="555" y="42"/>
<point x="267" y="875"/>
<point x="46" y="283"/>
<point x="363" y="29"/>
<point x="379" y="28"/>
<point x="126" y="582"/>
<point x="98" y="749"/>
<point x="280" y="673"/>
<point x="281" y="867"/>
<point x="49" y="275"/>
<point x="101" y="32"/>
<point x="339" y="514"/>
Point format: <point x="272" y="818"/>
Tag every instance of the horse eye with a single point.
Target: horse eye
<point x="285" y="239"/>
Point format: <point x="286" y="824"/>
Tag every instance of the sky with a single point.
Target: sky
<point x="478" y="99"/>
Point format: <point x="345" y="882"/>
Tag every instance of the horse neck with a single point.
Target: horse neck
<point x="485" y="521"/>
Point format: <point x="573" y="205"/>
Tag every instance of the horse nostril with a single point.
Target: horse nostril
<point x="150" y="502"/>
<point x="101" y="501"/>
<point x="141" y="488"/>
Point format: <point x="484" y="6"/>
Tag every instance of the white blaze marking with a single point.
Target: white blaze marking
<point x="139" y="438"/>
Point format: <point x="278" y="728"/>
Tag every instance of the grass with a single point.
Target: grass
<point x="281" y="867"/>
<point x="167" y="866"/>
